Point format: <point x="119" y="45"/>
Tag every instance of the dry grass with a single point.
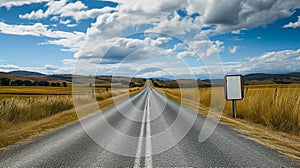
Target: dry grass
<point x="16" y="110"/>
<point x="278" y="108"/>
<point x="23" y="118"/>
<point x="12" y="91"/>
<point x="274" y="107"/>
<point x="267" y="115"/>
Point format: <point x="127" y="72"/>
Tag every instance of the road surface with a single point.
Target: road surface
<point x="72" y="146"/>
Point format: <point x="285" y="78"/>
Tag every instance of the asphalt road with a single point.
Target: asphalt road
<point x="92" y="143"/>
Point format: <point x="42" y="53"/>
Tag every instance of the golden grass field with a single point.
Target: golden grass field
<point x="26" y="112"/>
<point x="269" y="114"/>
<point x="274" y="106"/>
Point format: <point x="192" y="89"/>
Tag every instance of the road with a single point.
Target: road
<point x="90" y="143"/>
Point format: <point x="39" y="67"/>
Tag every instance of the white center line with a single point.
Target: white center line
<point x="148" y="151"/>
<point x="148" y="159"/>
<point x="137" y="161"/>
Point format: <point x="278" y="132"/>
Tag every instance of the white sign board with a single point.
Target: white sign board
<point x="234" y="87"/>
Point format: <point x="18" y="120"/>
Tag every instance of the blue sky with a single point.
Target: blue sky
<point x="167" y="38"/>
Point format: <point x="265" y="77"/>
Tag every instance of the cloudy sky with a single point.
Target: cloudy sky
<point x="150" y="37"/>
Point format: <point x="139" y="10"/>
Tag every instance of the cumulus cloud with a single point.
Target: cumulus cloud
<point x="9" y="67"/>
<point x="71" y="40"/>
<point x="65" y="22"/>
<point x="271" y="62"/>
<point x="174" y="26"/>
<point x="150" y="5"/>
<point x="233" y="49"/>
<point x="293" y="25"/>
<point x="77" y="10"/>
<point x="107" y="36"/>
<point x="202" y="49"/>
<point x="241" y="14"/>
<point x="206" y="48"/>
<point x="118" y="49"/>
<point x="11" y="3"/>
<point x="39" y="14"/>
<point x="50" y="67"/>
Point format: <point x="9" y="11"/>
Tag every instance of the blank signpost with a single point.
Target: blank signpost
<point x="234" y="90"/>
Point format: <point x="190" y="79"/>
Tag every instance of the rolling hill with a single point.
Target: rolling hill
<point x="250" y="79"/>
<point x="60" y="78"/>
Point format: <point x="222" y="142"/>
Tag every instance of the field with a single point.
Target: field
<point x="29" y="111"/>
<point x="273" y="106"/>
<point x="269" y="114"/>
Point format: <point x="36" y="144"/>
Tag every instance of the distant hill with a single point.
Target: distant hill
<point x="250" y="79"/>
<point x="257" y="78"/>
<point x="26" y="73"/>
<point x="261" y="78"/>
<point x="162" y="78"/>
<point x="8" y="78"/>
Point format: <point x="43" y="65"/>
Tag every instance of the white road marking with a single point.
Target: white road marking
<point x="148" y="158"/>
<point x="148" y="151"/>
<point x="137" y="161"/>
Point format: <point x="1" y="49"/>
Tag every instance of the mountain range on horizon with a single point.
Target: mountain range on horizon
<point x="255" y="78"/>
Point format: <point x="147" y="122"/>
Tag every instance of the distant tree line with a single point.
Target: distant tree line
<point x="8" y="82"/>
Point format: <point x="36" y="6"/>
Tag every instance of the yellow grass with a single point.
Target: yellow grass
<point x="276" y="106"/>
<point x="12" y="91"/>
<point x="17" y="110"/>
<point x="266" y="116"/>
<point x="24" y="117"/>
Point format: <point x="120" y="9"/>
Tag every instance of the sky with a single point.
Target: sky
<point x="170" y="38"/>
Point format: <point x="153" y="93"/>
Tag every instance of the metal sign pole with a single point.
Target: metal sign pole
<point x="234" y="108"/>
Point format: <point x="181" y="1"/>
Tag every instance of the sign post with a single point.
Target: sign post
<point x="234" y="108"/>
<point x="234" y="90"/>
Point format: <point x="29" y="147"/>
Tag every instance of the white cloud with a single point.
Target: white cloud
<point x="293" y="25"/>
<point x="174" y="26"/>
<point x="65" y="22"/>
<point x="46" y="69"/>
<point x="51" y="67"/>
<point x="38" y="29"/>
<point x="185" y="54"/>
<point x="110" y="29"/>
<point x="77" y="10"/>
<point x="71" y="40"/>
<point x="9" y="67"/>
<point x="150" y="5"/>
<point x="53" y="8"/>
<point x="11" y="3"/>
<point x="39" y="14"/>
<point x="236" y="15"/>
<point x="78" y="15"/>
<point x="204" y="34"/>
<point x="236" y="32"/>
<point x="202" y="49"/>
<point x="271" y="62"/>
<point x="206" y="48"/>
<point x="117" y="49"/>
<point x="72" y="25"/>
<point x="233" y="49"/>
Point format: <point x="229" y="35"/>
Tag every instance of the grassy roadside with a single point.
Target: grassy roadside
<point x="23" y="132"/>
<point x="286" y="143"/>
